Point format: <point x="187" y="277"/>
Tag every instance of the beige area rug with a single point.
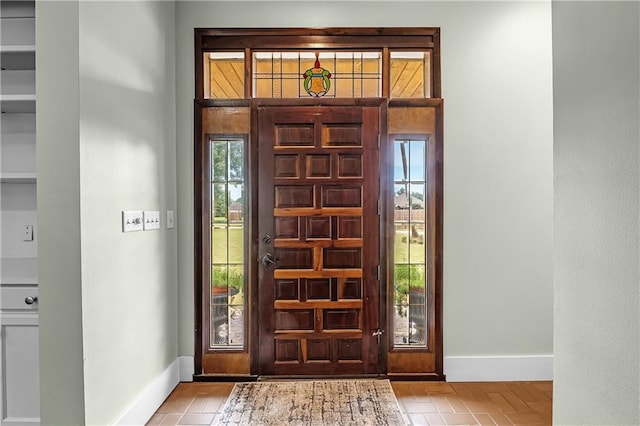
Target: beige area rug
<point x="329" y="402"/>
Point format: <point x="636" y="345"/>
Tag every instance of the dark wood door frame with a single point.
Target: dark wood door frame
<point x="299" y="38"/>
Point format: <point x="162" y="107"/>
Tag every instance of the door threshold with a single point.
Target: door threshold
<point x="319" y="377"/>
<point x="224" y="378"/>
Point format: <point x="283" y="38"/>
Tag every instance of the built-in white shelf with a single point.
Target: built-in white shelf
<point x="19" y="57"/>
<point x="23" y="177"/>
<point x="17" y="29"/>
<point x="18" y="103"/>
<point x="19" y="271"/>
<point x="18" y="216"/>
<point x="18" y="83"/>
<point x="19" y="280"/>
<point x="17" y="98"/>
<point x="18" y="48"/>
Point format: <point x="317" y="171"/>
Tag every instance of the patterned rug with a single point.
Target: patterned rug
<point x="330" y="402"/>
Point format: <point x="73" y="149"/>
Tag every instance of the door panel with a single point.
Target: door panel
<point x="319" y="240"/>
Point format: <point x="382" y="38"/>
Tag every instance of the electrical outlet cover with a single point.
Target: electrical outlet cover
<point x="170" y="223"/>
<point x="132" y="220"/>
<point x="151" y="220"/>
<point x="28" y="233"/>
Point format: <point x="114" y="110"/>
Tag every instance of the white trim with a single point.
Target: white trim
<point x="187" y="368"/>
<point x="152" y="397"/>
<point x="498" y="368"/>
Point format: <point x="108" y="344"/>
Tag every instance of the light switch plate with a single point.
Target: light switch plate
<point x="170" y="223"/>
<point x="132" y="221"/>
<point x="151" y="220"/>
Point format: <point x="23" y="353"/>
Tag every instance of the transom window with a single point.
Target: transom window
<point x="322" y="73"/>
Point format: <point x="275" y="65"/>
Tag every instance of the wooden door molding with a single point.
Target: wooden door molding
<point x="241" y="364"/>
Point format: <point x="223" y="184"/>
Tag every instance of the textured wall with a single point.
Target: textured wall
<point x="127" y="162"/>
<point x="596" y="137"/>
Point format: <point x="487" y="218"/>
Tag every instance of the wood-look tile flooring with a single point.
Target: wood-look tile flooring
<point x="422" y="403"/>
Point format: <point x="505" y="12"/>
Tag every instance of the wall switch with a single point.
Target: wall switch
<point x="151" y="220"/>
<point x="28" y="233"/>
<point x="170" y="224"/>
<point x="132" y="221"/>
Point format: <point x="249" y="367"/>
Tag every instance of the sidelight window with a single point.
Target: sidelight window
<point x="410" y="242"/>
<point x="227" y="243"/>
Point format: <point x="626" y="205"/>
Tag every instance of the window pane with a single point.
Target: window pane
<point x="417" y="158"/>
<point x="227" y="243"/>
<point x="400" y="152"/>
<point x="236" y="304"/>
<point x="236" y="160"/>
<point x="219" y="199"/>
<point x="417" y="249"/>
<point x="236" y="224"/>
<point x="219" y="161"/>
<point x="402" y="239"/>
<point x="224" y="75"/>
<point x="410" y="75"/>
<point x="219" y="244"/>
<point x="401" y="201"/>
<point x="417" y="305"/>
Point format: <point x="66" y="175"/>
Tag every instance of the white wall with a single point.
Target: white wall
<point x="122" y="158"/>
<point x="596" y="52"/>
<point x="127" y="162"/>
<point x="497" y="85"/>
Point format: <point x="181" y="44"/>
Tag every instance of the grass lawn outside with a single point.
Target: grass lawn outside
<point x="219" y="247"/>
<point x="407" y="249"/>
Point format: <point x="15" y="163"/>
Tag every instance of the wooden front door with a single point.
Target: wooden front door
<point x="318" y="224"/>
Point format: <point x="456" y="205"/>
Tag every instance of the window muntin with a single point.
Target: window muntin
<point x="410" y="243"/>
<point x="228" y="235"/>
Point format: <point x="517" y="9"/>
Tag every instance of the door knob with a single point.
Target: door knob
<point x="30" y="300"/>
<point x="267" y="260"/>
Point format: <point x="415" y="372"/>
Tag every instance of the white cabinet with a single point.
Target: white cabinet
<point x="19" y="367"/>
<point x="20" y="374"/>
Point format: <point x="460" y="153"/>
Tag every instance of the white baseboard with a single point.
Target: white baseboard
<point x="187" y="368"/>
<point x="152" y="397"/>
<point x="498" y="368"/>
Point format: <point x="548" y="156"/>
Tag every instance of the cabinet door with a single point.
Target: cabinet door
<point x="21" y="376"/>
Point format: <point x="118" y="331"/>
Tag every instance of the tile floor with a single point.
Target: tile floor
<point x="423" y="403"/>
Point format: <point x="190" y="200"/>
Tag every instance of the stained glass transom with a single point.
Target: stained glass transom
<point x="343" y="75"/>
